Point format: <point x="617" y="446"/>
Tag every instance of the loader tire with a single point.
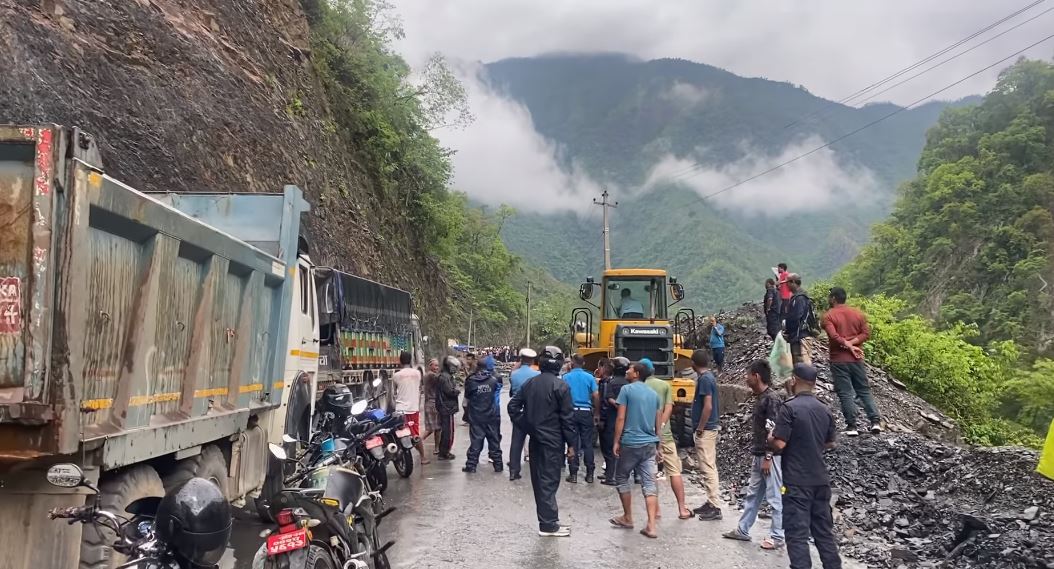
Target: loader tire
<point x="681" y="426"/>
<point x="210" y="465"/>
<point x="116" y="491"/>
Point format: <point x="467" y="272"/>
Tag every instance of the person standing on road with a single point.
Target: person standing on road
<point x="431" y="415"/>
<point x="847" y="330"/>
<point x="471" y="365"/>
<point x="446" y="405"/>
<point x="766" y="476"/>
<point x="619" y="368"/>
<point x="800" y="319"/>
<point x="671" y="461"/>
<point x="706" y="422"/>
<point x="407" y="383"/>
<point x="489" y="363"/>
<point x="804" y="429"/>
<point x="542" y="407"/>
<point x="517" y="379"/>
<point x="586" y="402"/>
<point x="636" y="446"/>
<point x="479" y="400"/>
<point x="771" y="303"/>
<point x="717" y="343"/>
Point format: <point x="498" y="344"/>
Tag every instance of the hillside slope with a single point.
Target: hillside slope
<point x="192" y="95"/>
<point x="617" y="118"/>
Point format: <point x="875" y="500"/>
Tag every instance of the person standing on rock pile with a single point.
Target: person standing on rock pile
<point x="543" y="409"/>
<point x="517" y="379"/>
<point x="766" y="475"/>
<point x="847" y="330"/>
<point x="801" y="325"/>
<point x="804" y="429"/>
<point x="706" y="422"/>
<point x="771" y="303"/>
<point x="717" y="343"/>
<point x="619" y="367"/>
<point x="785" y="291"/>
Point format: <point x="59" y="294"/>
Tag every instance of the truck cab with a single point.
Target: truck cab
<point x="634" y="322"/>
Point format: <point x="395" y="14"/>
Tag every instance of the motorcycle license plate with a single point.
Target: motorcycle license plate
<point x="278" y="543"/>
<point x="402" y="433"/>
<point x="374" y="443"/>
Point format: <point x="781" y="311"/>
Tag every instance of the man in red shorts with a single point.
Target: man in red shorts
<point x="408" y="399"/>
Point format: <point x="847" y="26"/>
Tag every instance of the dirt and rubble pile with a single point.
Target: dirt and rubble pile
<point x="196" y="95"/>
<point x="911" y="496"/>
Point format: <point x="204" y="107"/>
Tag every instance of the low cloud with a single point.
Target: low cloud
<point x="686" y="94"/>
<point x="501" y="158"/>
<point x="817" y="182"/>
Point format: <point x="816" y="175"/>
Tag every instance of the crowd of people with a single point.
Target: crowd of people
<point x="557" y="407"/>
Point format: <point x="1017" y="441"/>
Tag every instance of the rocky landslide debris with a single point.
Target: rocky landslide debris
<point x="911" y="496"/>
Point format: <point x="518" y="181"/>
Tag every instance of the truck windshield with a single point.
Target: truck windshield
<point x="642" y="298"/>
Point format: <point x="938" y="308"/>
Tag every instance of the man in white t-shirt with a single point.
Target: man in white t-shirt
<point x="408" y="399"/>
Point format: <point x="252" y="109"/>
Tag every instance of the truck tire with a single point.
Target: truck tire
<point x="115" y="493"/>
<point x="209" y="465"/>
<point x="681" y="426"/>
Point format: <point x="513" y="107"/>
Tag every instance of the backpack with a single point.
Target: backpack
<point x="810" y="324"/>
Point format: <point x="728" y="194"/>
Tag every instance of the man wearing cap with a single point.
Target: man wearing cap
<point x="517" y="379"/>
<point x="796" y="330"/>
<point x="586" y="402"/>
<point x="804" y="429"/>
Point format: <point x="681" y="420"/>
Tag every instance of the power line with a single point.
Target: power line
<point x="956" y="56"/>
<point x="917" y="64"/>
<point x="868" y="125"/>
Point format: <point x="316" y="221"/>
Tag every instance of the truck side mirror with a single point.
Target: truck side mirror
<point x="585" y="291"/>
<point x="677" y="290"/>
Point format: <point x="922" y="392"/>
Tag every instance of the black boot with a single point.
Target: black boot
<point x="514" y="476"/>
<point x="572" y="478"/>
<point x="589" y="476"/>
<point x="469" y="469"/>
<point x="498" y="467"/>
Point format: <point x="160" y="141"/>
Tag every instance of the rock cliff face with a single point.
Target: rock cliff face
<point x="197" y="95"/>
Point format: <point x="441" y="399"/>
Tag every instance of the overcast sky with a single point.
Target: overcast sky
<point x="832" y="47"/>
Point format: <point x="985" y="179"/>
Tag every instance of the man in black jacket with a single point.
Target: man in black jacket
<point x="799" y="313"/>
<point x="543" y="409"/>
<point x="446" y="405"/>
<point x="609" y="413"/>
<point x="484" y="417"/>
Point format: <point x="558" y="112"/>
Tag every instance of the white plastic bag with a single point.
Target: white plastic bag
<point x="780" y="359"/>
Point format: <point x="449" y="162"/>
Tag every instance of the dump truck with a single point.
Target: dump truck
<point x="146" y="337"/>
<point x="634" y="323"/>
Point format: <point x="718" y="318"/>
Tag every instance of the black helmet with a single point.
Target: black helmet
<point x="451" y="364"/>
<point x="336" y="399"/>
<point x="551" y="359"/>
<point x="194" y="519"/>
<point x="620" y="365"/>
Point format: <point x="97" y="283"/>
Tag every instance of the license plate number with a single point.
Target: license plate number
<point x="402" y="433"/>
<point x="374" y="443"/>
<point x="279" y="543"/>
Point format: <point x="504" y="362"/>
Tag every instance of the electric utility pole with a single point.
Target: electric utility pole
<point x="605" y="204"/>
<point x="528" y="314"/>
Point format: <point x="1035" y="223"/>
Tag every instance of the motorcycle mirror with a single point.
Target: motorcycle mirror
<point x="359" y="406"/>
<point x="377" y="382"/>
<point x="65" y="475"/>
<point x="277" y="451"/>
<point x="288" y="439"/>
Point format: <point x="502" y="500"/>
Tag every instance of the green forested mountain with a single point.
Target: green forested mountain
<point x="971" y="238"/>
<point x="616" y="118"/>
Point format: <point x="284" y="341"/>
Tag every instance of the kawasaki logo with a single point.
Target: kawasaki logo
<point x="644" y="331"/>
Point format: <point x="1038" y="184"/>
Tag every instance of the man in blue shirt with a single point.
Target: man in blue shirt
<point x="517" y="379"/>
<point x="717" y="343"/>
<point x="586" y="401"/>
<point x="706" y="422"/>
<point x="636" y="446"/>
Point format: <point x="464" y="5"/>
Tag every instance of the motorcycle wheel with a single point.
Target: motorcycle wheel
<point x="404" y="462"/>
<point x="378" y="476"/>
<point x="319" y="558"/>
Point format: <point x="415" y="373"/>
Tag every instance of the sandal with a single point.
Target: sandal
<point x="645" y="533"/>
<point x="771" y="545"/>
<point x="683" y="516"/>
<point x="615" y="522"/>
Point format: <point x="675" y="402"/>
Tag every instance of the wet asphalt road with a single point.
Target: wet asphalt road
<point x="448" y="519"/>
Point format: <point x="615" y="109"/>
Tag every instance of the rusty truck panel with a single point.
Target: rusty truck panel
<point x="133" y="325"/>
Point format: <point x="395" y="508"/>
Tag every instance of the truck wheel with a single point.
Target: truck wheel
<point x="209" y="465"/>
<point x="115" y="493"/>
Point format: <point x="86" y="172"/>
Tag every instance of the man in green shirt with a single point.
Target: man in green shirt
<point x="671" y="461"/>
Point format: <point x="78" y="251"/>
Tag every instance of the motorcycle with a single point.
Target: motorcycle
<point x="329" y="520"/>
<point x="137" y="536"/>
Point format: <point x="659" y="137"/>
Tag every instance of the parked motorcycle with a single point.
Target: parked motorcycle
<point x="187" y="528"/>
<point x="330" y="520"/>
